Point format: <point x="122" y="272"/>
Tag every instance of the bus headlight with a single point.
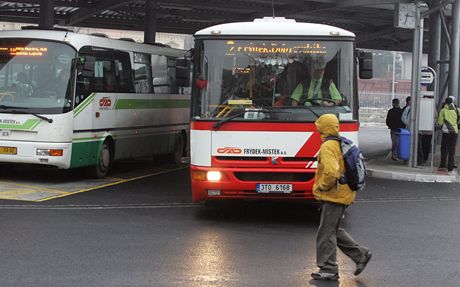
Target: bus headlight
<point x="49" y="152"/>
<point x="214" y="175"/>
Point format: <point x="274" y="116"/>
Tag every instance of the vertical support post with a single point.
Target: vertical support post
<point x="393" y="79"/>
<point x="415" y="88"/>
<point x="150" y="27"/>
<point x="445" y="55"/>
<point x="434" y="54"/>
<point x="46" y="18"/>
<point x="454" y="51"/>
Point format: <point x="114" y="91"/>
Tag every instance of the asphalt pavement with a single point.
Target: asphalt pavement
<point x="147" y="232"/>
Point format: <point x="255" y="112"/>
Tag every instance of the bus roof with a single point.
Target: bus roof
<point x="274" y="26"/>
<point x="78" y="40"/>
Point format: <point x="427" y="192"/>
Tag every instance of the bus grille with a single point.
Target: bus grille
<point x="241" y="158"/>
<point x="274" y="176"/>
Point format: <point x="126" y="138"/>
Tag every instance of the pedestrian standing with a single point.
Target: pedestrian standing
<point x="448" y="121"/>
<point x="394" y="123"/>
<point x="334" y="198"/>
<point x="405" y="116"/>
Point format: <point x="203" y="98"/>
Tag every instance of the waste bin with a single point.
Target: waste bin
<point x="404" y="144"/>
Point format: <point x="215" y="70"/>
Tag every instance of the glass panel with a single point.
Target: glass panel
<point x="36" y="75"/>
<point x="303" y="78"/>
<point x="160" y="74"/>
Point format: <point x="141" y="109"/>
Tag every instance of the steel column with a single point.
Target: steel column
<point x="415" y="88"/>
<point x="454" y="51"/>
<point x="46" y="20"/>
<point x="150" y="27"/>
<point x="434" y="54"/>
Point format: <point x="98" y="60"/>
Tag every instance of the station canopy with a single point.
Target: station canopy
<point x="371" y="20"/>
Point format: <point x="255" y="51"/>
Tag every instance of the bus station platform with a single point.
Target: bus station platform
<point x="375" y="144"/>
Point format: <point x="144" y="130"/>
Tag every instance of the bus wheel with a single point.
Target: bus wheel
<point x="101" y="168"/>
<point x="179" y="147"/>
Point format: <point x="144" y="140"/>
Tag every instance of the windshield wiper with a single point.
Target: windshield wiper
<point x="223" y="121"/>
<point x="11" y="107"/>
<point x="28" y="113"/>
<point x="311" y="110"/>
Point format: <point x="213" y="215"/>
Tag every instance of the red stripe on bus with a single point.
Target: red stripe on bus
<point x="310" y="147"/>
<point x="265" y="126"/>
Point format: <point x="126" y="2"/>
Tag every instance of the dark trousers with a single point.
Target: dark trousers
<point x="330" y="236"/>
<point x="394" y="143"/>
<point x="425" y="145"/>
<point x="449" y="140"/>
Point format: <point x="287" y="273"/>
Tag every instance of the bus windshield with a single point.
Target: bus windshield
<point x="35" y="75"/>
<point x="300" y="79"/>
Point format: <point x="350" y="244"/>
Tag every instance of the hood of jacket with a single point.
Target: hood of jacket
<point x="328" y="125"/>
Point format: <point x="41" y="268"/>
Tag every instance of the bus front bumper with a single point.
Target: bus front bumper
<point x="240" y="183"/>
<point x="43" y="153"/>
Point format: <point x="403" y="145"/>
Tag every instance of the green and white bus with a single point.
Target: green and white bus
<point x="72" y="100"/>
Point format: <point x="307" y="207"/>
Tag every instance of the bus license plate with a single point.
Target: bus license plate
<point x="273" y="188"/>
<point x="8" y="150"/>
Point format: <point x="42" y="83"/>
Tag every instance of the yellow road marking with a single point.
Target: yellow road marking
<point x="109" y="184"/>
<point x="35" y="187"/>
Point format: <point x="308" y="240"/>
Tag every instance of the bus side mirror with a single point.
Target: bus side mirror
<point x="365" y="64"/>
<point x="182" y="72"/>
<point x="85" y="65"/>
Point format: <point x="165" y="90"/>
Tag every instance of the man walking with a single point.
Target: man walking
<point x="394" y="123"/>
<point x="335" y="198"/>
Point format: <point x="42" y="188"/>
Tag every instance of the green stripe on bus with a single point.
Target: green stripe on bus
<point x="83" y="105"/>
<point x="29" y="124"/>
<point x="123" y="104"/>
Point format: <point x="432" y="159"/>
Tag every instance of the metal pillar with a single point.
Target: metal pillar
<point x="444" y="61"/>
<point x="150" y="22"/>
<point x="415" y="88"/>
<point x="46" y="20"/>
<point x="454" y="51"/>
<point x="434" y="54"/>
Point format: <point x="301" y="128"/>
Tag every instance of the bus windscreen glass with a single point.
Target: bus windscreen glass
<point x="36" y="76"/>
<point x="300" y="79"/>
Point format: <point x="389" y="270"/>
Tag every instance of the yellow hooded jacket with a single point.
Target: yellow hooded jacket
<point x="330" y="165"/>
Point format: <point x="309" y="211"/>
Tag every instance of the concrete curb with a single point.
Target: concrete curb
<point x="408" y="174"/>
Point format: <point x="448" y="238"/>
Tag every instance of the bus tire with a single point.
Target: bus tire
<point x="103" y="164"/>
<point x="179" y="147"/>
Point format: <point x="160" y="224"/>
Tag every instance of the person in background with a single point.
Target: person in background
<point x="334" y="198"/>
<point x="394" y="123"/>
<point x="448" y="121"/>
<point x="405" y="116"/>
<point x="24" y="87"/>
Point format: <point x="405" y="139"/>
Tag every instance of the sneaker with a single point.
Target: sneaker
<point x="325" y="276"/>
<point x="361" y="265"/>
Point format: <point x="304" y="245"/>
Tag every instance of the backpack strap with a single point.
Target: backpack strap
<point x="332" y="138"/>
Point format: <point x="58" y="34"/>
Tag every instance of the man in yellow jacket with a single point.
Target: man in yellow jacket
<point x="335" y="198"/>
<point x="447" y="120"/>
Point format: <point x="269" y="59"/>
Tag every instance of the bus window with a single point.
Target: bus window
<point x="142" y="73"/>
<point x="160" y="74"/>
<point x="123" y="72"/>
<point x="112" y="73"/>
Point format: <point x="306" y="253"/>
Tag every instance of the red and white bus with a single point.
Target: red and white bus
<point x="254" y="105"/>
